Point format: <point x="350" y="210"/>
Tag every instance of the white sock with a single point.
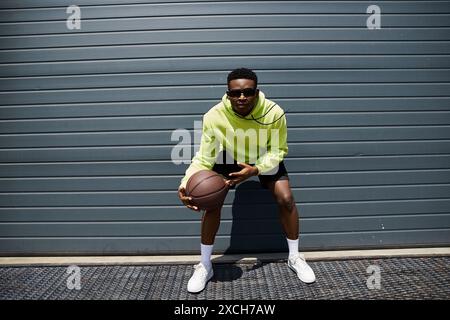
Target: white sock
<point x="293" y="247"/>
<point x="206" y="251"/>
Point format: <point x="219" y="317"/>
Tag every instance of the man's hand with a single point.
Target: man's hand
<point x="185" y="199"/>
<point x="246" y="172"/>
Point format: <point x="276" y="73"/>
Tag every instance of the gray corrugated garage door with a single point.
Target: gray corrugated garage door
<point x="87" y="117"/>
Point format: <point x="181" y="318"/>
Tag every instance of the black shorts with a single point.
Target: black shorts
<point x="226" y="169"/>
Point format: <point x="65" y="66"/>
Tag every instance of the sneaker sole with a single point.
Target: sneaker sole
<point x="303" y="280"/>
<point x="195" y="292"/>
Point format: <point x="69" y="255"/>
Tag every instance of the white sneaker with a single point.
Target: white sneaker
<point x="301" y="268"/>
<point x="199" y="279"/>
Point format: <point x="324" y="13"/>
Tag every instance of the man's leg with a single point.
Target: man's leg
<point x="282" y="193"/>
<point x="203" y="271"/>
<point x="210" y="226"/>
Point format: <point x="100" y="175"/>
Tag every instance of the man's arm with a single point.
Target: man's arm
<point x="205" y="158"/>
<point x="246" y="172"/>
<point x="277" y="148"/>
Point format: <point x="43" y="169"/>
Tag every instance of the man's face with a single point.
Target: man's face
<point x="243" y="95"/>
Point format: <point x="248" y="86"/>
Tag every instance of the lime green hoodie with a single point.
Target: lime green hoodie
<point x="259" y="138"/>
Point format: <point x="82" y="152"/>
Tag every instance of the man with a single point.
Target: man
<point x="245" y="109"/>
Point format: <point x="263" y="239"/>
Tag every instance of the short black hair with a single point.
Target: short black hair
<point x="242" y="73"/>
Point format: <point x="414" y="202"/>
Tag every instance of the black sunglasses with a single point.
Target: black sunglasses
<point x="248" y="92"/>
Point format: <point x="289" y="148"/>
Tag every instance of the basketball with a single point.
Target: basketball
<point x="207" y="189"/>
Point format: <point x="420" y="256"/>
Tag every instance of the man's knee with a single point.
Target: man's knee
<point x="286" y="201"/>
<point x="213" y="212"/>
